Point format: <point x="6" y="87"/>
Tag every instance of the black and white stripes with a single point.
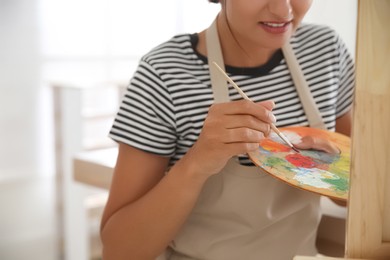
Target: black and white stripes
<point x="169" y="95"/>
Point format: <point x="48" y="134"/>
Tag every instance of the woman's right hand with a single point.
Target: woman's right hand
<point x="229" y="129"/>
<point x="145" y="202"/>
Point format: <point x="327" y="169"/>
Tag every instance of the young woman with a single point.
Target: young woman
<point x="183" y="183"/>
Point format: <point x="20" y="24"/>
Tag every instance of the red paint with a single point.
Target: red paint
<point x="299" y="160"/>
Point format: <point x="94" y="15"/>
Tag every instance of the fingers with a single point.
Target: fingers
<point x="261" y="111"/>
<point x="242" y="135"/>
<point x="230" y="129"/>
<point x="268" y="104"/>
<point x="217" y="135"/>
<point x="310" y="142"/>
<point x="241" y="148"/>
<point x="248" y="121"/>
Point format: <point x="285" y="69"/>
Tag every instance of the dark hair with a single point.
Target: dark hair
<point x="214" y="1"/>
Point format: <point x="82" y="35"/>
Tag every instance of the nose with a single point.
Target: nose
<point x="280" y="8"/>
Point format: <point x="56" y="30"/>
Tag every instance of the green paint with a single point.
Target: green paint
<point x="272" y="161"/>
<point x="340" y="184"/>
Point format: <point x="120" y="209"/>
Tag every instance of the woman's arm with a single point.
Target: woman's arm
<point x="146" y="208"/>
<point x="344" y="124"/>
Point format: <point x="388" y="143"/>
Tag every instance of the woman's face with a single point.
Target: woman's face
<point x="265" y="23"/>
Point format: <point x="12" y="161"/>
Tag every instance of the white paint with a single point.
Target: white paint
<point x="313" y="177"/>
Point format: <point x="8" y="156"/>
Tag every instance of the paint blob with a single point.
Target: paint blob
<point x="300" y="160"/>
<point x="272" y="146"/>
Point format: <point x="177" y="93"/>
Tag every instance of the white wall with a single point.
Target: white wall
<point x="340" y="15"/>
<point x="20" y="87"/>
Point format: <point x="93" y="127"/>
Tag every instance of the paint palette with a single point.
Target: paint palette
<point x="312" y="170"/>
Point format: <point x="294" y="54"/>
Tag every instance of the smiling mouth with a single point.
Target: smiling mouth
<point x="276" y="28"/>
<point x="275" y="24"/>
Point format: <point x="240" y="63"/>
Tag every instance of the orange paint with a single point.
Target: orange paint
<point x="273" y="146"/>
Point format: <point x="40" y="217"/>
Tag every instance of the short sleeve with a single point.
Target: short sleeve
<point x="145" y="119"/>
<point x="346" y="79"/>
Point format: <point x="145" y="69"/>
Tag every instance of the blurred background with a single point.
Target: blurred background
<point x="63" y="65"/>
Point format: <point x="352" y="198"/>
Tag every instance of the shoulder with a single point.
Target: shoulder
<point x="314" y="36"/>
<point x="179" y="46"/>
<point x="318" y="40"/>
<point x="311" y="32"/>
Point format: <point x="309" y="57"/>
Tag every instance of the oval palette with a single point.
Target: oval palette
<point x="311" y="170"/>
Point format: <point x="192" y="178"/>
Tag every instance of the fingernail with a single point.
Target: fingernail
<point x="272" y="117"/>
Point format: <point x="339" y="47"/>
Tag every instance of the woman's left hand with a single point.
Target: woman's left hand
<point x="316" y="143"/>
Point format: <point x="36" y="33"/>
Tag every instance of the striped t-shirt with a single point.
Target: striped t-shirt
<point x="167" y="100"/>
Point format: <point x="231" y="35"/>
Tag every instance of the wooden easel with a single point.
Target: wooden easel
<point x="368" y="221"/>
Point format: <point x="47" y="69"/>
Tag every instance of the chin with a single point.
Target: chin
<point x="274" y="41"/>
<point x="276" y="44"/>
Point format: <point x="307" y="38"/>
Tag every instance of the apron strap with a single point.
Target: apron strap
<point x="309" y="105"/>
<point x="214" y="53"/>
<point x="220" y="87"/>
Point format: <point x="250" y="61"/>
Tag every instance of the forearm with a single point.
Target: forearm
<point x="143" y="229"/>
<point x="344" y="124"/>
<point x="140" y="223"/>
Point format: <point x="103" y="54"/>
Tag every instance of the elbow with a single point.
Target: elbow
<point x="114" y="248"/>
<point x="110" y="250"/>
<point x="110" y="253"/>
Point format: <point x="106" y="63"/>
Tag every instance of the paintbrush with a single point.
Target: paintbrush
<point x="273" y="127"/>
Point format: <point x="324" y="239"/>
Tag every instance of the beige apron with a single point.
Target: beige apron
<point x="243" y="213"/>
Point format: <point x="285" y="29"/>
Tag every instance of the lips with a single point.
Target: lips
<point x="275" y="24"/>
<point x="275" y="27"/>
